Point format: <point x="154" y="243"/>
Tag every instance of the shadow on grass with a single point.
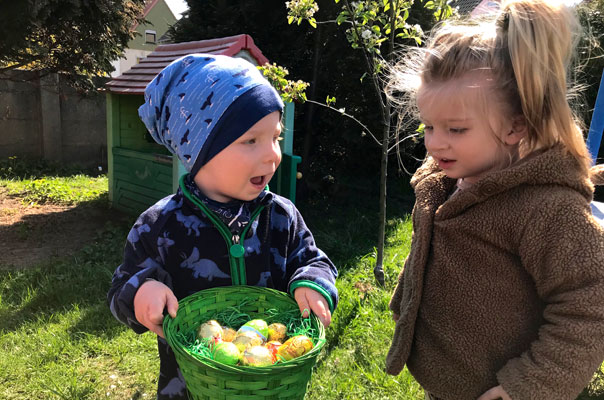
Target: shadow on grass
<point x="56" y="285"/>
<point x="344" y="228"/>
<point x="41" y="233"/>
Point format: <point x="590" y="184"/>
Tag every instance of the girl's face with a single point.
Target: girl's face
<point x="465" y="138"/>
<point x="243" y="169"/>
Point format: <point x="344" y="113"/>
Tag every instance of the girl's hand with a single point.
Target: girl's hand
<point x="313" y="300"/>
<point x="149" y="303"/>
<point x="494" y="394"/>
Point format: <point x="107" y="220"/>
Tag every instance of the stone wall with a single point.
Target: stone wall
<point x="45" y="118"/>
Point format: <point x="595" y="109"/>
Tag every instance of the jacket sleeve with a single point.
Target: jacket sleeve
<point x="397" y="295"/>
<point x="562" y="248"/>
<point x="307" y="265"/>
<point x="141" y="262"/>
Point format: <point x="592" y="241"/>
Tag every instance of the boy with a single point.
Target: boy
<point x="221" y="118"/>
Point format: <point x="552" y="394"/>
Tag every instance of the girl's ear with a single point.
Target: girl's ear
<point x="517" y="131"/>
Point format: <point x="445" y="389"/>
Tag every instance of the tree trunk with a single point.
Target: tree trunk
<point x="378" y="270"/>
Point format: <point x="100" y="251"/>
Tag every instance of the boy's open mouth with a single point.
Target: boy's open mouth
<point x="258" y="180"/>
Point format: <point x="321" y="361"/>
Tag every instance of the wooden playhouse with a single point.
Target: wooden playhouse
<point x="141" y="171"/>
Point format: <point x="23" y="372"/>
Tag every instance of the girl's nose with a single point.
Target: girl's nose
<point x="436" y="140"/>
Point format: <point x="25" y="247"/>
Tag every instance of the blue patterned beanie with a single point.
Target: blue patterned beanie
<point x="201" y="103"/>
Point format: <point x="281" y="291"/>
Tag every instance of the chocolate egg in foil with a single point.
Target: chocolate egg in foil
<point x="257" y="356"/>
<point x="295" y="347"/>
<point x="226" y="353"/>
<point x="277" y="332"/>
<point x="228" y="334"/>
<point x="246" y="339"/>
<point x="273" y="346"/>
<point x="259" y="325"/>
<point x="209" y="330"/>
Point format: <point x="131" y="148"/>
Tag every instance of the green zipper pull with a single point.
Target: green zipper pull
<point x="237" y="250"/>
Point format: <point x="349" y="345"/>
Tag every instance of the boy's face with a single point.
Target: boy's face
<point x="244" y="168"/>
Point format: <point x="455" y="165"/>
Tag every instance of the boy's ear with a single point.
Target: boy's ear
<point x="518" y="130"/>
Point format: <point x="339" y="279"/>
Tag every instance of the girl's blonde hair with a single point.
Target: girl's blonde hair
<point x="527" y="48"/>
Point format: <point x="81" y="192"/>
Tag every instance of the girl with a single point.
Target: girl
<point x="502" y="294"/>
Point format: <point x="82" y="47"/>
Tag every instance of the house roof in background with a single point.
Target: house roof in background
<point x="136" y="79"/>
<point x="465" y="6"/>
<point x="149" y="4"/>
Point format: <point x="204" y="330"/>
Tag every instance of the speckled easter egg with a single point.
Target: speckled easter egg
<point x="226" y="353"/>
<point x="258" y="325"/>
<point x="295" y="347"/>
<point x="246" y="339"/>
<point x="277" y="331"/>
<point x="257" y="356"/>
<point x="209" y="330"/>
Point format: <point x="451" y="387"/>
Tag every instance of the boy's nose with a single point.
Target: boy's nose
<point x="273" y="154"/>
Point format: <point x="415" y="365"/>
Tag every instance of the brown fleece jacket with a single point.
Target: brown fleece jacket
<point x="504" y="283"/>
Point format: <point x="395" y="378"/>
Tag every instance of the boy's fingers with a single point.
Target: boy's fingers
<point x="158" y="330"/>
<point x="322" y="313"/>
<point x="171" y="304"/>
<point x="302" y="304"/>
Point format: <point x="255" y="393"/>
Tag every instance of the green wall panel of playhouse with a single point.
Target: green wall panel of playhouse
<point x="141" y="171"/>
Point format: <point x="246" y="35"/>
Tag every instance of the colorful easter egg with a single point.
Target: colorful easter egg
<point x="295" y="347"/>
<point x="209" y="330"/>
<point x="277" y="332"/>
<point x="273" y="346"/>
<point x="257" y="356"/>
<point x="246" y="339"/>
<point x="258" y="325"/>
<point x="228" y="334"/>
<point x="226" y="353"/>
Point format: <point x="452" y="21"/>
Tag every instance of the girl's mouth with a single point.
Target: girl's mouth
<point x="445" y="163"/>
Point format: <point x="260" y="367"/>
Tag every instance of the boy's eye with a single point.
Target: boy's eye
<point x="250" y="141"/>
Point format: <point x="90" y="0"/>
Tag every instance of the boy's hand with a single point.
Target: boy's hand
<point x="309" y="299"/>
<point x="149" y="303"/>
<point x="494" y="394"/>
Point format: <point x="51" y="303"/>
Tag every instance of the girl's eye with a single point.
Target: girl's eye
<point x="428" y="128"/>
<point x="250" y="141"/>
<point x="458" y="130"/>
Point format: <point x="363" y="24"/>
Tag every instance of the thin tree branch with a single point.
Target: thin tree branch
<point x="370" y="65"/>
<point x="365" y="129"/>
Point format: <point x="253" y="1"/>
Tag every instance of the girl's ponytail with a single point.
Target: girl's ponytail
<point x="539" y="38"/>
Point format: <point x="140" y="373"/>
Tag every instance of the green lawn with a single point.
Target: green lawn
<point x="58" y="339"/>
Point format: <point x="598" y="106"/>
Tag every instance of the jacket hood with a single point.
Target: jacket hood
<point x="596" y="174"/>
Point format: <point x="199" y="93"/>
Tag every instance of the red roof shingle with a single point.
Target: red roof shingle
<point x="136" y="79"/>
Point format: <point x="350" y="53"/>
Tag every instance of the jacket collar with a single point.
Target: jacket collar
<point x="553" y="166"/>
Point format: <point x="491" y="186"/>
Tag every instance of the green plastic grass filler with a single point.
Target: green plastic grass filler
<point x="233" y="306"/>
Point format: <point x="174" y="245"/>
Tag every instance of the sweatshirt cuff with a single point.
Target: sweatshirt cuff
<point x="314" y="286"/>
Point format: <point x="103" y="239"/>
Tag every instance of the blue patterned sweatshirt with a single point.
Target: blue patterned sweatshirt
<point x="175" y="243"/>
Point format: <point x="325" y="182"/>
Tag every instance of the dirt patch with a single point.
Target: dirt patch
<point x="31" y="233"/>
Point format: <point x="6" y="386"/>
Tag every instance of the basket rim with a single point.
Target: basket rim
<point x="178" y="347"/>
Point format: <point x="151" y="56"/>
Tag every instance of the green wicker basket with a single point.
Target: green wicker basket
<point x="208" y="379"/>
